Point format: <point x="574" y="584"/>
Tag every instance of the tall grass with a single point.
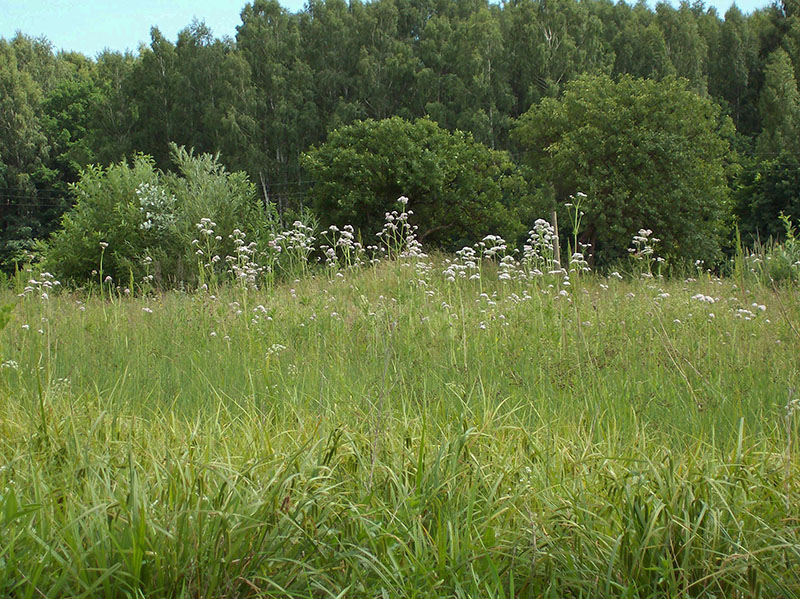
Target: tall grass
<point x="408" y="429"/>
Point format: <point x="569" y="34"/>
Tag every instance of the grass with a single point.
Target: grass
<point x="387" y="433"/>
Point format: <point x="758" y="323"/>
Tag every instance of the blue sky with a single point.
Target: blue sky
<point x="89" y="26"/>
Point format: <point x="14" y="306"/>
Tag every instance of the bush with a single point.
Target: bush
<point x="132" y="222"/>
<point x="648" y="154"/>
<point x="765" y="191"/>
<point x="458" y="189"/>
<point x="774" y="262"/>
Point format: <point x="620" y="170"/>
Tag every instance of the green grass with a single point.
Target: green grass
<point x="370" y="435"/>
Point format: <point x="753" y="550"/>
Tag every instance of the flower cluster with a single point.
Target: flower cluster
<point x="342" y="248"/>
<point x="398" y="237"/>
<point x="644" y="251"/>
<point x="243" y="265"/>
<point x="537" y="253"/>
<point x="157" y="207"/>
<point x="42" y="287"/>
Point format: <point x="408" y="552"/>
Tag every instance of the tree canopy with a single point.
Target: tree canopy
<point x="458" y="189"/>
<point x="289" y="79"/>
<point x="648" y="154"/>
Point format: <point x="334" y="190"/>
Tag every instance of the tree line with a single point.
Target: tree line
<point x="288" y="80"/>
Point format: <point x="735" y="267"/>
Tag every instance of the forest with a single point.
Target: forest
<point x="267" y="101"/>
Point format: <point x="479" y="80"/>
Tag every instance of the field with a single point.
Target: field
<point x="406" y="429"/>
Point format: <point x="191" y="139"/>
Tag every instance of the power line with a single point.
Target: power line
<point x="46" y="190"/>
<point x="40" y="205"/>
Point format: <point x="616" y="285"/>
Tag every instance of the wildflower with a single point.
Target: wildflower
<point x="103" y="245"/>
<point x="148" y="310"/>
<point x="274" y="349"/>
<point x="792" y="406"/>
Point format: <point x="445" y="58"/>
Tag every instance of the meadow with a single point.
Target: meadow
<point x="419" y="426"/>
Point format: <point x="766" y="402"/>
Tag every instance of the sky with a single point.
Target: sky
<point x="90" y="26"/>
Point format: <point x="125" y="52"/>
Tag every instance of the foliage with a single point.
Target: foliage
<point x="779" y="106"/>
<point x="131" y="220"/>
<point x="766" y="190"/>
<point x="776" y="260"/>
<point x="106" y="211"/>
<point x="648" y="154"/>
<point x="458" y="189"/>
<point x="24" y="151"/>
<point x="289" y="79"/>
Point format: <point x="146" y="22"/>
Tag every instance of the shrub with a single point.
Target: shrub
<point x="458" y="189"/>
<point x="648" y="155"/>
<point x="775" y="262"/>
<point x="765" y="191"/>
<point x="131" y="221"/>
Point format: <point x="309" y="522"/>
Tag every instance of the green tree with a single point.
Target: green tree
<point x="686" y="48"/>
<point x="279" y="117"/>
<point x="114" y="115"/>
<point x="779" y="106"/>
<point x="154" y="87"/>
<point x="386" y="64"/>
<point x="69" y="111"/>
<point x="649" y="154"/>
<point x="640" y="48"/>
<point x="214" y="82"/>
<point x="330" y="47"/>
<point x="733" y="71"/>
<point x="459" y="189"/>
<point x="766" y="190"/>
<point x="548" y="43"/>
<point x="24" y="154"/>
